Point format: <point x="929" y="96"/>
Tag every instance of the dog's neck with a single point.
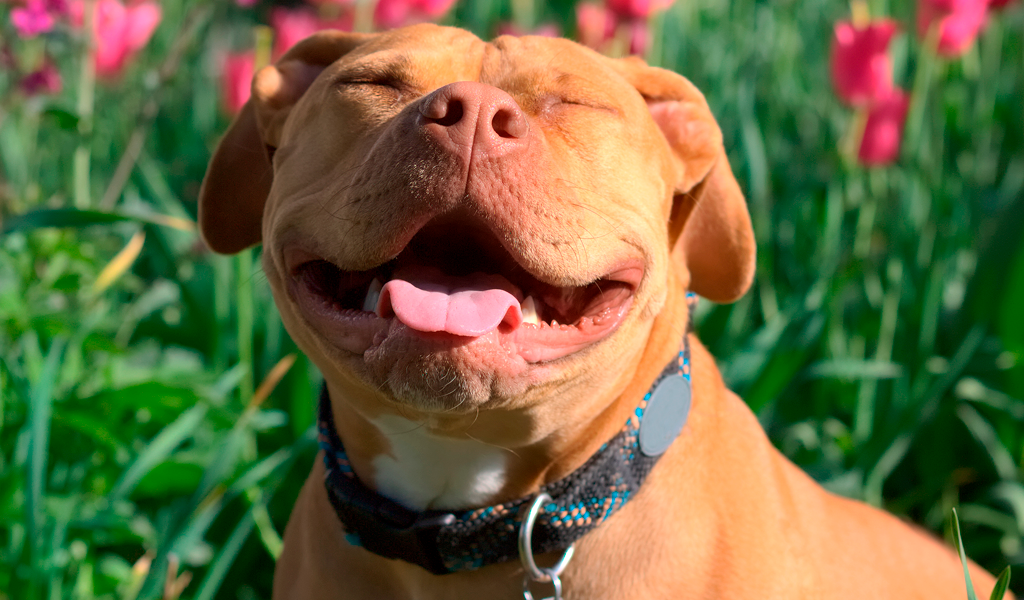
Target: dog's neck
<point x="463" y="461"/>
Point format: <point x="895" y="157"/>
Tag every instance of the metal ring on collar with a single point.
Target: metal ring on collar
<point x="555" y="581"/>
<point x="526" y="547"/>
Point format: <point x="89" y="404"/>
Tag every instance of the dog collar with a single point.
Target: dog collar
<point x="450" y="541"/>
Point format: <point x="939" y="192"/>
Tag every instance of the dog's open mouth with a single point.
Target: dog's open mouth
<point x="448" y="284"/>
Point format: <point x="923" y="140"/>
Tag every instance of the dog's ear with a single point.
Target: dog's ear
<point x="238" y="180"/>
<point x="709" y="226"/>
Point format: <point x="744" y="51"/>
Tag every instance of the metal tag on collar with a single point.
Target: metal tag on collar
<point x="665" y="415"/>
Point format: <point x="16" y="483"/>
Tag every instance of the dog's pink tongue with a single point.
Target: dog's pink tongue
<point x="467" y="306"/>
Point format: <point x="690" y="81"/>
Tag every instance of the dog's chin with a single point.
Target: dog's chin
<point x="441" y="373"/>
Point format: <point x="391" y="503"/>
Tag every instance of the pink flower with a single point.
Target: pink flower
<point x="119" y="31"/>
<point x="32" y="19"/>
<point x="341" y="3"/>
<point x="959" y="22"/>
<point x="292" y="26"/>
<point x="396" y="13"/>
<point x="883" y="131"/>
<point x="637" y="9"/>
<point x="58" y="8"/>
<point x="236" y="79"/>
<point x="639" y="36"/>
<point x="44" y="80"/>
<point x="861" y="67"/>
<point x="595" y="25"/>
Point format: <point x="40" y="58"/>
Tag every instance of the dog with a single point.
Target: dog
<point x="489" y="251"/>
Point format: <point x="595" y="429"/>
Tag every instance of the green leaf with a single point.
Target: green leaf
<point x="91" y="426"/>
<point x="1002" y="584"/>
<point x="61" y="217"/>
<point x="74" y="218"/>
<point x="225" y="557"/>
<point x="40" y="412"/>
<point x="985" y="433"/>
<point x="65" y="119"/>
<point x="851" y="368"/>
<point x="158" y="450"/>
<point x="167" y="479"/>
<point x="164" y="402"/>
<point x="963" y="557"/>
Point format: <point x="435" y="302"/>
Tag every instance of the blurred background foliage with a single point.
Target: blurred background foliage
<point x="155" y="417"/>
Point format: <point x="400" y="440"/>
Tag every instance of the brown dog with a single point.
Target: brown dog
<point x="486" y="249"/>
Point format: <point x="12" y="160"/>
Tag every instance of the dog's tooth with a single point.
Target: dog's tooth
<point x="529" y="308"/>
<point x="372" y="295"/>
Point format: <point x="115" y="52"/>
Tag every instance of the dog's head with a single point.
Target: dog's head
<point x="449" y="224"/>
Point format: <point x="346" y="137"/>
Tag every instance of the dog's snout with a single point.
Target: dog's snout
<point x="474" y="116"/>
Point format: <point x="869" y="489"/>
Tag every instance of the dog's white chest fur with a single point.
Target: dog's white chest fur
<point x="424" y="470"/>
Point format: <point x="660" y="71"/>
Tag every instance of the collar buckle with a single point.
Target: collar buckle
<point x="389" y="530"/>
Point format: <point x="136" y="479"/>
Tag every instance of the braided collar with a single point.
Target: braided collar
<point x="450" y="541"/>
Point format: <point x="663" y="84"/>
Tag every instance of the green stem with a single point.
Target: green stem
<point x="865" y="227"/>
<point x="133" y="149"/>
<point x="86" y="102"/>
<point x="867" y="398"/>
<point x="264" y="525"/>
<point x="3" y="394"/>
<point x="265" y="45"/>
<point x="991" y="49"/>
<point x="363" y="21"/>
<point x="243" y="263"/>
<point x="849" y="145"/>
<point x="927" y="59"/>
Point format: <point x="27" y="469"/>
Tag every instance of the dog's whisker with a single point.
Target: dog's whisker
<point x="503" y="448"/>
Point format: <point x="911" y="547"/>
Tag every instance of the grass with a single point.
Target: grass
<point x="154" y="431"/>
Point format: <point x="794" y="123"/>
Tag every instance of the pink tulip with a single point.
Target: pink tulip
<point x="639" y="36"/>
<point x="959" y="22"/>
<point x="389" y="14"/>
<point x="637" y="9"/>
<point x="236" y="79"/>
<point x="861" y="67"/>
<point x="341" y="3"/>
<point x="292" y="26"/>
<point x="58" y="8"/>
<point x="595" y="25"/>
<point x="44" y="80"/>
<point x="119" y="30"/>
<point x="32" y="19"/>
<point x="883" y="131"/>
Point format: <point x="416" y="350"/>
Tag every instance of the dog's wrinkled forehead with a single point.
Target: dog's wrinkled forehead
<point x="537" y="72"/>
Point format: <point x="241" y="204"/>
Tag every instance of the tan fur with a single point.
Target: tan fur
<point x="622" y="161"/>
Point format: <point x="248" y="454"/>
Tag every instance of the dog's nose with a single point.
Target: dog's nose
<point x="474" y="115"/>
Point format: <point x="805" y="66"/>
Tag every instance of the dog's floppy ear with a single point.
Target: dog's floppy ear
<point x="710" y="225"/>
<point x="238" y="179"/>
